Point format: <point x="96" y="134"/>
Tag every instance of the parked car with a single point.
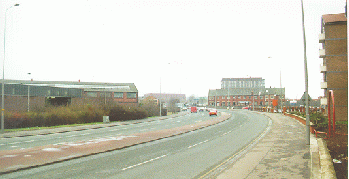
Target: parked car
<point x="213" y="112"/>
<point x="245" y="108"/>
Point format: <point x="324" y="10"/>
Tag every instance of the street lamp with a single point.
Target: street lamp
<point x="29" y="91"/>
<point x="3" y="75"/>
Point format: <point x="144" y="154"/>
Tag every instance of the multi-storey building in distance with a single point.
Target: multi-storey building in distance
<point x="241" y="92"/>
<point x="335" y="62"/>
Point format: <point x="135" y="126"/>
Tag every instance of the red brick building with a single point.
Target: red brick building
<point x="242" y="92"/>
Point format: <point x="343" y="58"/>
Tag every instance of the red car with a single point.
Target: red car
<point x="213" y="112"/>
<point x="245" y="108"/>
<point x="194" y="109"/>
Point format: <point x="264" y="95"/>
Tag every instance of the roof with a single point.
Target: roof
<point x="86" y="86"/>
<point x="242" y="79"/>
<point x="332" y="18"/>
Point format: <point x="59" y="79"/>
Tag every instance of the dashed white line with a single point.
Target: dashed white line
<point x="28" y="141"/>
<point x="14" y="143"/>
<point x="132" y="166"/>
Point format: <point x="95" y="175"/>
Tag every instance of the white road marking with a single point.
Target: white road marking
<point x="29" y="141"/>
<point x="14" y="143"/>
<point x="138" y="164"/>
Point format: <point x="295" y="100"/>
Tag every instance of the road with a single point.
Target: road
<point x="189" y="155"/>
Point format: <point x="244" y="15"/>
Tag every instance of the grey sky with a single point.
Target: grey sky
<point x="190" y="45"/>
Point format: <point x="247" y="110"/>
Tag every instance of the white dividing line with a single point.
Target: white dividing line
<point x="28" y="141"/>
<point x="111" y="130"/>
<point x="138" y="164"/>
<point x="14" y="143"/>
<point x="197" y="144"/>
<point x="72" y="135"/>
<point x="85" y="134"/>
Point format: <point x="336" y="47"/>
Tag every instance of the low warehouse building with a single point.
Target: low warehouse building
<point x="57" y="93"/>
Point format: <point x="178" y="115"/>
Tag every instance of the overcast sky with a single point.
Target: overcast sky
<point x="187" y="45"/>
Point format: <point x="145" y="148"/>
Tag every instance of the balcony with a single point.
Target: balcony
<point x="323" y="69"/>
<point x="323" y="85"/>
<point x="322" y="53"/>
<point x="323" y="101"/>
<point x="322" y="38"/>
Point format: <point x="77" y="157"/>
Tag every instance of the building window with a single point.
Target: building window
<point x="211" y="98"/>
<point x="266" y="97"/>
<point x="244" y="97"/>
<point x="223" y="103"/>
<point x="239" y="97"/>
<point x="228" y="97"/>
<point x="92" y="94"/>
<point x="105" y="94"/>
<point x="223" y="97"/>
<point x="234" y="97"/>
<point x="118" y="94"/>
<point x="255" y="97"/>
<point x="272" y="97"/>
<point x="131" y="95"/>
<point x="261" y="97"/>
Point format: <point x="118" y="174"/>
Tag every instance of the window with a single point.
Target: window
<point x="234" y="97"/>
<point x="244" y="97"/>
<point x="261" y="97"/>
<point x="272" y="97"/>
<point x="255" y="97"/>
<point x="131" y="95"/>
<point x="223" y="97"/>
<point x="118" y="94"/>
<point x="266" y="97"/>
<point x="228" y="97"/>
<point x="239" y="97"/>
<point x="211" y="98"/>
<point x="91" y="94"/>
<point x="223" y="103"/>
<point x="105" y="94"/>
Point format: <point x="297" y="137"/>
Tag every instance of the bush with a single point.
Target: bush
<point x="52" y="116"/>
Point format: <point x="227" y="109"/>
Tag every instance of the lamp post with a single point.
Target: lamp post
<point x="3" y="75"/>
<point x="29" y="91"/>
<point x="307" y="130"/>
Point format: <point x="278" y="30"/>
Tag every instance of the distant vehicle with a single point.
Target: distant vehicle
<point x="193" y="109"/>
<point x="245" y="108"/>
<point x="213" y="112"/>
<point x="201" y="109"/>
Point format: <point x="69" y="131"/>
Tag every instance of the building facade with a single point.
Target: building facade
<point x="231" y="83"/>
<point x="56" y="93"/>
<point x="334" y="54"/>
<point x="242" y="92"/>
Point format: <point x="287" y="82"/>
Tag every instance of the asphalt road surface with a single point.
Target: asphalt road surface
<point x="190" y="155"/>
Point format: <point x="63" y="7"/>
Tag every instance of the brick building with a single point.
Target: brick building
<point x="42" y="93"/>
<point x="334" y="67"/>
<point x="242" y="92"/>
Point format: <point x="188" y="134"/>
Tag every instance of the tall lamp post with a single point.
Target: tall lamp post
<point x="29" y="92"/>
<point x="3" y="75"/>
<point x="307" y="130"/>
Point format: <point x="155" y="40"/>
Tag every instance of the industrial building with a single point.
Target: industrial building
<point x="22" y="95"/>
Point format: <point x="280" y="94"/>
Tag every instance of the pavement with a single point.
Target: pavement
<point x="281" y="152"/>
